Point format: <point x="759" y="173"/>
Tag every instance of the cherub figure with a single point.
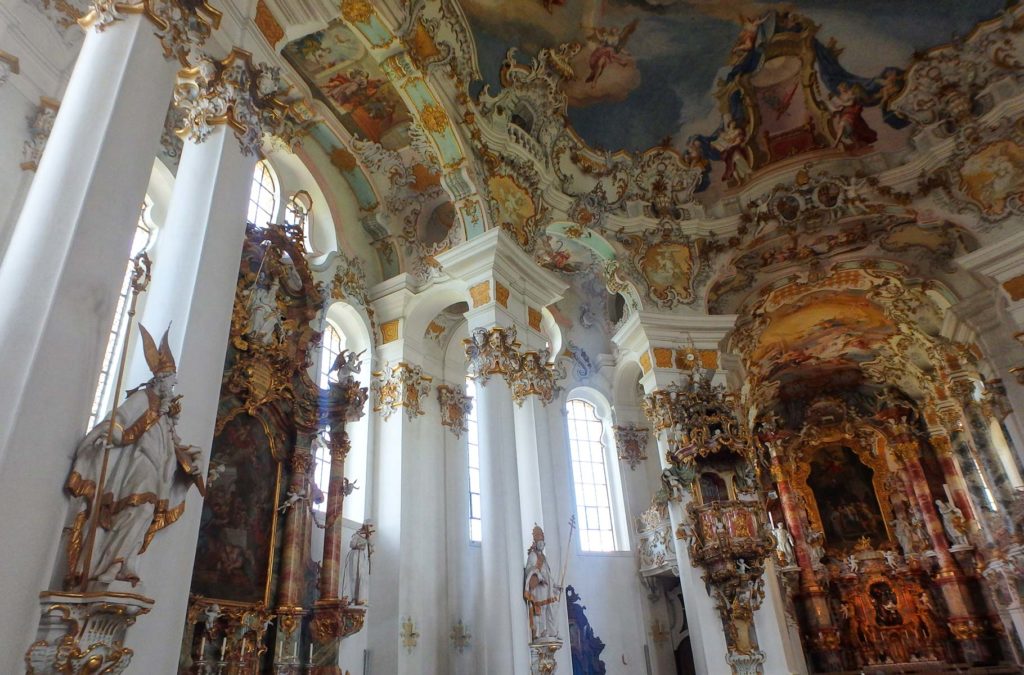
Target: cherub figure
<point x="610" y="48"/>
<point x="347" y="364"/>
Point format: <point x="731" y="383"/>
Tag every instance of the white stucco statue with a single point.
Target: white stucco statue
<point x="355" y="573"/>
<point x="784" y="545"/>
<point x="540" y="591"/>
<point x="953" y="522"/>
<point x="148" y="473"/>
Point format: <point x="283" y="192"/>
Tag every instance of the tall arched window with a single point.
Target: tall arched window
<point x="102" y="400"/>
<point x="596" y="506"/>
<point x="333" y="342"/>
<point x="473" y="443"/>
<point x="263" y="195"/>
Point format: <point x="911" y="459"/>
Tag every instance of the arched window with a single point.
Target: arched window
<point x="263" y="195"/>
<point x="333" y="342"/>
<point x="597" y="507"/>
<point x="102" y="400"/>
<point x="473" y="443"/>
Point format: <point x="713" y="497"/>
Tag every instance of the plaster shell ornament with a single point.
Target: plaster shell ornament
<point x="631" y="442"/>
<point x="455" y="408"/>
<point x="401" y="386"/>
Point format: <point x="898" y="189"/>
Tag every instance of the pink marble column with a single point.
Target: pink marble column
<point x="330" y="570"/>
<point x="965" y="624"/>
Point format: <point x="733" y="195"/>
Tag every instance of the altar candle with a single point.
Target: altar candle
<point x="223" y="648"/>
<point x="202" y="647"/>
<point x="310" y="654"/>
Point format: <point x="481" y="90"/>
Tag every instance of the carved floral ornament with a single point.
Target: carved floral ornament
<point x="631" y="441"/>
<point x="495" y="351"/>
<point x="455" y="408"/>
<point x="234" y="91"/>
<point x="181" y="25"/>
<point x="401" y="386"/>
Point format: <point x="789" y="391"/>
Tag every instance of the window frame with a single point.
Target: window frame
<point x="104" y="394"/>
<point x="325" y="359"/>
<point x="257" y="187"/>
<point x="473" y="439"/>
<point x="621" y="541"/>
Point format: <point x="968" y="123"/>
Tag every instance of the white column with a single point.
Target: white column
<point x="409" y="577"/>
<point x="505" y="633"/>
<point x="60" y="277"/>
<point x="777" y="636"/>
<point x="193" y="289"/>
<point x="515" y="479"/>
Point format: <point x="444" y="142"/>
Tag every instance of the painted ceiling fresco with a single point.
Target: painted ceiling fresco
<point x="341" y="72"/>
<point x="708" y="76"/>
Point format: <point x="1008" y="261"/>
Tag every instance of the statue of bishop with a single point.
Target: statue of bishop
<point x="148" y="472"/>
<point x="540" y="591"/>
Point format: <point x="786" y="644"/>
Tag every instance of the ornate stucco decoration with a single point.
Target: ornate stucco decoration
<point x="401" y="386"/>
<point x="455" y="407"/>
<point x="40" y="124"/>
<point x="233" y="91"/>
<point x="275" y="299"/>
<point x="438" y="37"/>
<point x="535" y="377"/>
<point x="981" y="176"/>
<point x="181" y="25"/>
<point x="949" y="85"/>
<point x="654" y="541"/>
<point x="495" y="351"/>
<point x="81" y="634"/>
<point x="492" y="351"/>
<point x="700" y="419"/>
<point x="631" y="441"/>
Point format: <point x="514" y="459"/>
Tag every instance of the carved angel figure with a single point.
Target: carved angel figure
<point x="148" y="473"/>
<point x="347" y="364"/>
<point x="953" y="522"/>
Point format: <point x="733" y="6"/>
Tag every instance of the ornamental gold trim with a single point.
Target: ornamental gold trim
<point x="268" y="23"/>
<point x="389" y="331"/>
<point x="356" y="11"/>
<point x="434" y="118"/>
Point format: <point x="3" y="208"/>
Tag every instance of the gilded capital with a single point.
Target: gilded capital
<point x="234" y="91"/>
<point x="181" y="25"/>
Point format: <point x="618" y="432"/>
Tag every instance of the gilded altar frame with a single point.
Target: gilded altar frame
<point x="875" y="458"/>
